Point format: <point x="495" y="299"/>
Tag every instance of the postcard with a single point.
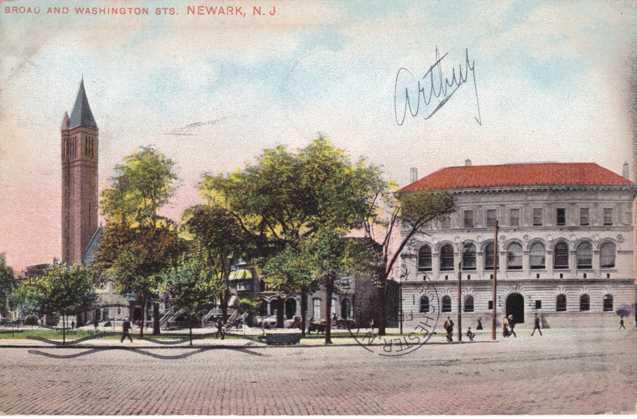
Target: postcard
<point x="278" y="207"/>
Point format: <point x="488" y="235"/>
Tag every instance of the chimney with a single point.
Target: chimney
<point x="413" y="175"/>
<point x="467" y="162"/>
<point x="626" y="170"/>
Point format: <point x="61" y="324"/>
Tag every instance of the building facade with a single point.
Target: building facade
<point x="79" y="156"/>
<point x="564" y="246"/>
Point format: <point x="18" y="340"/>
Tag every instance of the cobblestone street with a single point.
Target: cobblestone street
<point x="563" y="372"/>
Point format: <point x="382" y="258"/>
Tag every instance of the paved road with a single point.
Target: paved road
<point x="563" y="372"/>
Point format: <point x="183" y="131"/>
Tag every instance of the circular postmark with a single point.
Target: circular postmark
<point x="422" y="326"/>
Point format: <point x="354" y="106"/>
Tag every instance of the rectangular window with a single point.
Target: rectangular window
<point x="560" y="216"/>
<point x="316" y="309"/>
<point x="514" y="217"/>
<point x="468" y="218"/>
<point x="445" y="222"/>
<point x="608" y="216"/>
<point x="491" y="217"/>
<point x="490" y="305"/>
<point x="537" y="217"/>
<point x="538" y="304"/>
<point x="583" y="217"/>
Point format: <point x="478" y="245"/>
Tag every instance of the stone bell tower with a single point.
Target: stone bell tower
<point x="79" y="179"/>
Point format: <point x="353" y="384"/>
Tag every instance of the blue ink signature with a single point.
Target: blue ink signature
<point x="434" y="84"/>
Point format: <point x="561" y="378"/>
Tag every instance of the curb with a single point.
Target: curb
<point x="121" y="347"/>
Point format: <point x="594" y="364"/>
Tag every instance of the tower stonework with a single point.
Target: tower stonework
<point x="79" y="152"/>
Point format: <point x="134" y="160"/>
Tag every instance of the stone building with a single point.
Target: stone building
<point x="564" y="245"/>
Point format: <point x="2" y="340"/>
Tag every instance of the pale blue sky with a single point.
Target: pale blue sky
<point x="552" y="79"/>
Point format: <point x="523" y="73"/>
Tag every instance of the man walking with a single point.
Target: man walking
<point x="512" y="326"/>
<point x="621" y="323"/>
<point x="126" y="331"/>
<point x="536" y="325"/>
<point x="220" y="331"/>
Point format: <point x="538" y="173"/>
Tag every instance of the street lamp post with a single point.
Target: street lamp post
<point x="460" y="301"/>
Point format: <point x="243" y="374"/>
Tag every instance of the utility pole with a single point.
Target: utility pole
<point x="400" y="289"/>
<point x="495" y="280"/>
<point x="460" y="301"/>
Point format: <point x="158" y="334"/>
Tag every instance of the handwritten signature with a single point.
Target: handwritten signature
<point x="433" y="90"/>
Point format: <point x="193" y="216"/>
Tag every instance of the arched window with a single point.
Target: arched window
<point x="607" y="255"/>
<point x="608" y="302"/>
<point x="469" y="257"/>
<point x="584" y="255"/>
<point x="560" y="256"/>
<point x="424" y="304"/>
<point x="446" y="258"/>
<point x="468" y="304"/>
<point x="537" y="256"/>
<point x="488" y="256"/>
<point x="560" y="303"/>
<point x="514" y="256"/>
<point x="584" y="302"/>
<point x="446" y="304"/>
<point x="424" y="258"/>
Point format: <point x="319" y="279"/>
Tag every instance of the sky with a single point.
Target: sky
<point x="552" y="81"/>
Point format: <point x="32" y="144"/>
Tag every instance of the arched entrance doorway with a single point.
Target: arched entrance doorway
<point x="515" y="307"/>
<point x="290" y="308"/>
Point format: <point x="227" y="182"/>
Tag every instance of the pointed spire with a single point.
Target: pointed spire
<point x="65" y="121"/>
<point x="81" y="115"/>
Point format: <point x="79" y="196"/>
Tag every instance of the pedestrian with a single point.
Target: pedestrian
<point x="448" y="325"/>
<point x="512" y="326"/>
<point x="470" y="334"/>
<point x="220" y="331"/>
<point x="96" y="323"/>
<point x="505" y="327"/>
<point x="72" y="324"/>
<point x="479" y="324"/>
<point x="621" y="322"/>
<point x="126" y="331"/>
<point x="536" y="325"/>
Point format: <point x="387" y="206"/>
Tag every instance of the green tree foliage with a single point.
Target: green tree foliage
<point x="7" y="284"/>
<point x="62" y="289"/>
<point x="138" y="244"/>
<point x="287" y="197"/>
<point x="293" y="271"/>
<point x="219" y="241"/>
<point x="191" y="288"/>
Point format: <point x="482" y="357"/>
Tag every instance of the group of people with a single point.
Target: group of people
<point x="508" y="327"/>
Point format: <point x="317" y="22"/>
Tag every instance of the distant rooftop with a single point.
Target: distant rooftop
<point x="520" y="175"/>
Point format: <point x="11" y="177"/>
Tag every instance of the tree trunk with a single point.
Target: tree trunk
<point x="156" y="330"/>
<point x="381" y="310"/>
<point x="329" y="292"/>
<point x="141" y="329"/>
<point x="63" y="329"/>
<point x="303" y="312"/>
<point x="225" y="296"/>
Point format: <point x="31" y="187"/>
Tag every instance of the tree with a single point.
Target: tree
<point x="7" y="284"/>
<point x="292" y="271"/>
<point x="62" y="289"/>
<point x="220" y="242"/>
<point x="138" y="243"/>
<point x="401" y="214"/>
<point x="287" y="197"/>
<point x="190" y="288"/>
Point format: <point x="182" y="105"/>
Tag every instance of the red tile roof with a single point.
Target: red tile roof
<point x="521" y="174"/>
